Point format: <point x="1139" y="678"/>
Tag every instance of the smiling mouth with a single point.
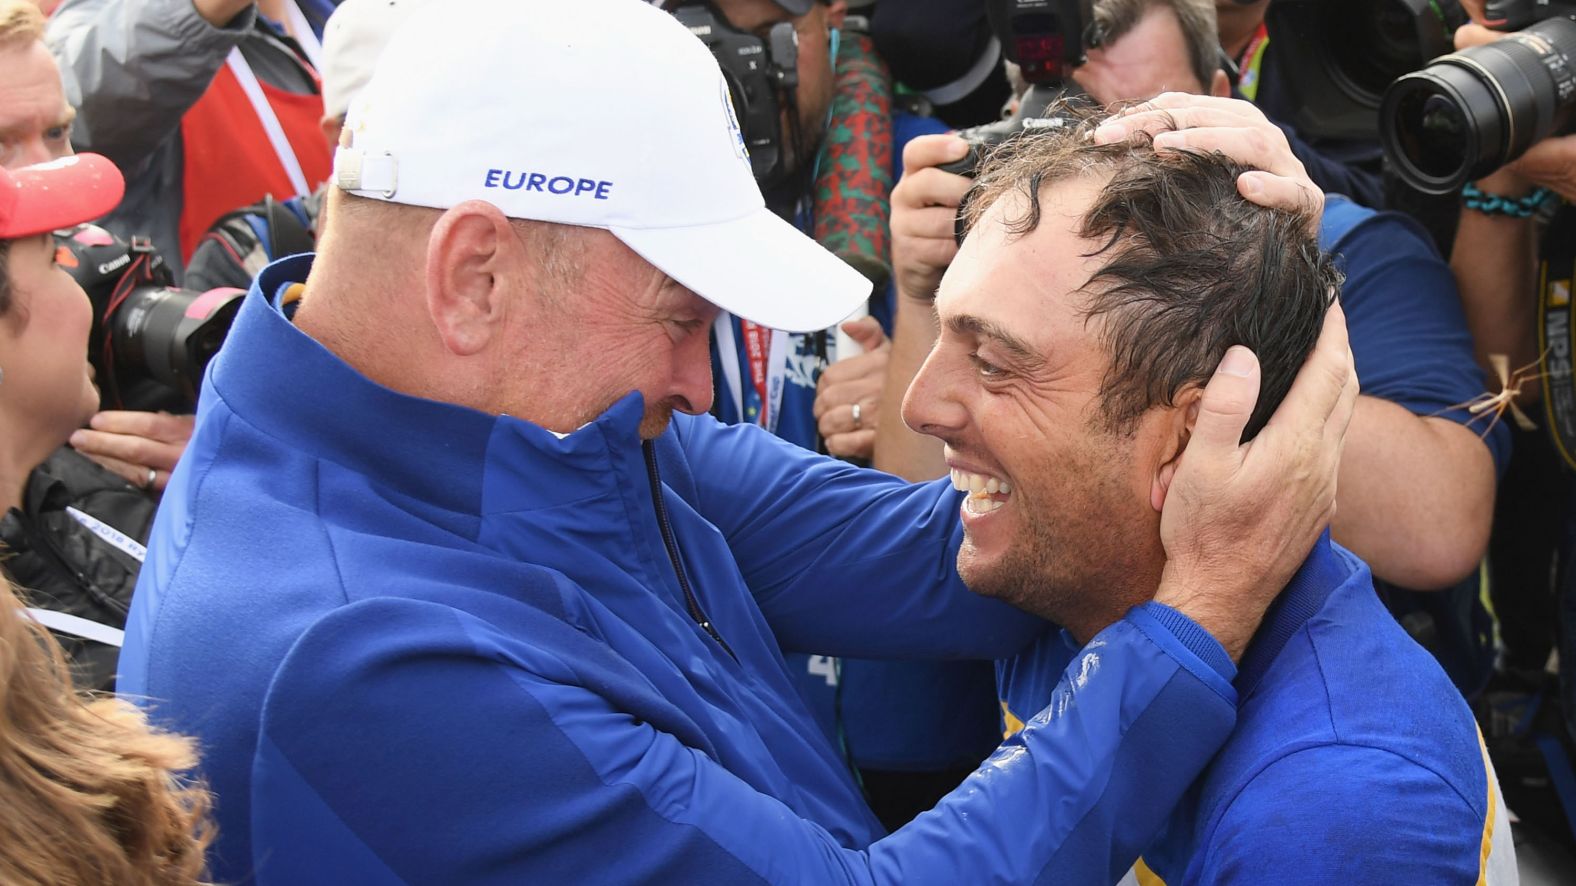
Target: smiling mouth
<point x="986" y="494"/>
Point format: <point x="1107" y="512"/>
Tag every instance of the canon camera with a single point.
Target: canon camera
<point x="151" y="340"/>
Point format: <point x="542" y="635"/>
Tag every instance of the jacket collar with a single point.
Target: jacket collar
<point x="287" y="385"/>
<point x="1320" y="574"/>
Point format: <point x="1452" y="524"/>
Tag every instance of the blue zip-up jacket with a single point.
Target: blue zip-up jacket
<point x="1355" y="760"/>
<point x="423" y="644"/>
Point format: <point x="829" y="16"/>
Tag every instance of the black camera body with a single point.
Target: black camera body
<point x="1345" y="53"/>
<point x="1047" y="39"/>
<point x="151" y="340"/>
<point x="762" y="75"/>
<point x="1468" y="113"/>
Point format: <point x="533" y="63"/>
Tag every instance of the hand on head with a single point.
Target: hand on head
<point x="1239" y="518"/>
<point x="1185" y="122"/>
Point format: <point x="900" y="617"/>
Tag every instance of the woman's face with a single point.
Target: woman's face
<point x="47" y="386"/>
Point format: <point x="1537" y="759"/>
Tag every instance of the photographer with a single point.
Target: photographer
<point x="71" y="530"/>
<point x="1418" y="484"/>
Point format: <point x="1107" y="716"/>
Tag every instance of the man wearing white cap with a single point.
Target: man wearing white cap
<point x="475" y="592"/>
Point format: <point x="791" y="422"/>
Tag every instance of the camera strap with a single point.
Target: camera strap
<point x="1252" y="63"/>
<point x="1556" y="271"/>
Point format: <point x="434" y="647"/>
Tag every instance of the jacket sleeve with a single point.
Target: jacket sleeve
<point x="843" y="560"/>
<point x="133" y="68"/>
<point x="405" y="741"/>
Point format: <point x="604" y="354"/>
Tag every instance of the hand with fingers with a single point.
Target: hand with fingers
<point x="1238" y="519"/>
<point x="1181" y="121"/>
<point x="848" y="396"/>
<point x="142" y="447"/>
<point x="924" y="214"/>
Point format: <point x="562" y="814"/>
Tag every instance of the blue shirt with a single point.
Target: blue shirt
<point x="418" y="643"/>
<point x="1355" y="760"/>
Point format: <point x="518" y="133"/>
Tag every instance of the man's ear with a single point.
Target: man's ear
<point x="1177" y="434"/>
<point x="1220" y="85"/>
<point x="468" y="263"/>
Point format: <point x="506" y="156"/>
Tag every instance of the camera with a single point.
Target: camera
<point x="1344" y="54"/>
<point x="760" y="74"/>
<point x="151" y="340"/>
<point x="1046" y="39"/>
<point x="1468" y="113"/>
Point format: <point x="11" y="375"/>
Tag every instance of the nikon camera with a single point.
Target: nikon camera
<point x="1468" y="113"/>
<point x="151" y="340"/>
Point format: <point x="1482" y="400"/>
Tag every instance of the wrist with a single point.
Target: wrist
<point x="1202" y="602"/>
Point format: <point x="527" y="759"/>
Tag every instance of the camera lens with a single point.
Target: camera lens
<point x="170" y="335"/>
<point x="1469" y="113"/>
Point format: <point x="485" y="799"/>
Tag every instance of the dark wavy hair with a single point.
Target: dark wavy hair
<point x="1190" y="267"/>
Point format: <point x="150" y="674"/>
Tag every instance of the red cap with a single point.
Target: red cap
<point x="58" y="194"/>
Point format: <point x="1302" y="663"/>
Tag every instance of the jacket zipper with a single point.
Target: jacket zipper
<point x="671" y="544"/>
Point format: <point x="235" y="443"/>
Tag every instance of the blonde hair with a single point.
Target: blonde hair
<point x="20" y="22"/>
<point x="89" y="792"/>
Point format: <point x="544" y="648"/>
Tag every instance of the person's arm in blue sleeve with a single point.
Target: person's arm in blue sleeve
<point x="1419" y="474"/>
<point x="1369" y="818"/>
<point x="133" y="68"/>
<point x="406" y="741"/>
<point x="831" y="538"/>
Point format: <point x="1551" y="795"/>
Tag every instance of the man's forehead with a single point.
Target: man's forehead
<point x="1023" y="285"/>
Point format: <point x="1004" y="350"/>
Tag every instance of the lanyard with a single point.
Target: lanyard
<point x="1252" y="61"/>
<point x="77" y="626"/>
<point x="301" y="30"/>
<point x="265" y="115"/>
<point x="765" y="352"/>
<point x="111" y="536"/>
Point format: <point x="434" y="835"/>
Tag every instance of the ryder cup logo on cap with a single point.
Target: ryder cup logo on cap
<point x="600" y="113"/>
<point x="734" y="128"/>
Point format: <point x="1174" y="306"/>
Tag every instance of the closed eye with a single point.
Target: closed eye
<point x="985" y="368"/>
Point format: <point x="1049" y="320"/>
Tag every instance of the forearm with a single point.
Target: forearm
<point x="1495" y="265"/>
<point x="1416" y="496"/>
<point x="133" y="68"/>
<point x="899" y="450"/>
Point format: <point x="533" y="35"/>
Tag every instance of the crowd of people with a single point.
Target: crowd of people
<point x="654" y="445"/>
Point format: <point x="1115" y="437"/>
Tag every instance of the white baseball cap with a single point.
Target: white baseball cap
<point x="354" y="37"/>
<point x="602" y="113"/>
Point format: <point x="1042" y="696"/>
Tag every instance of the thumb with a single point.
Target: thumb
<point x="1471" y="35"/>
<point x="1227" y="405"/>
<point x="866" y="331"/>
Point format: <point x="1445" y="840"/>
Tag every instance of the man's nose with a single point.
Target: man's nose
<point x="692" y="383"/>
<point x="931" y="406"/>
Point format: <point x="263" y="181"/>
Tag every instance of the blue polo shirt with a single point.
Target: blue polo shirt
<point x="1355" y="760"/>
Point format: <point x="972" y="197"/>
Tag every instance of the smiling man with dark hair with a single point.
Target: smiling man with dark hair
<point x="1097" y="290"/>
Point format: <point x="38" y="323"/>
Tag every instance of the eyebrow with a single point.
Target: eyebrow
<point x="1017" y="348"/>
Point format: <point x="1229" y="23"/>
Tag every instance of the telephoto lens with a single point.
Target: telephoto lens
<point x="1469" y="113"/>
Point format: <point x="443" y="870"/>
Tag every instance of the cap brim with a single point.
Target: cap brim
<point x="758" y="267"/>
<point x="60" y="194"/>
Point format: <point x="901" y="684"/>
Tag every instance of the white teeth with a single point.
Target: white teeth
<point x="982" y="505"/>
<point x="979" y="485"/>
